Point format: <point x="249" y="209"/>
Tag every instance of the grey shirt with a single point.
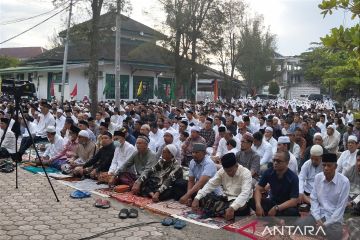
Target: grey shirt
<point x="250" y="160"/>
<point x="353" y="175"/>
<point x="142" y="163"/>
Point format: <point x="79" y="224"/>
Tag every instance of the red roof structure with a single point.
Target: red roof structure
<point x="22" y="53"/>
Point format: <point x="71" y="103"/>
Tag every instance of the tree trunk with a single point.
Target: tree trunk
<point x="94" y="37"/>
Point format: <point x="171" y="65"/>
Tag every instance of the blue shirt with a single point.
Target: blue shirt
<point x="282" y="189"/>
<point x="205" y="168"/>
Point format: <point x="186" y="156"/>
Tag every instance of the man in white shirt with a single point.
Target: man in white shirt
<point x="331" y="139"/>
<point x="7" y="137"/>
<point x="156" y="136"/>
<point x="46" y="120"/>
<point x="236" y="195"/>
<point x="347" y="158"/>
<point x="56" y="144"/>
<point x="270" y="139"/>
<point x="60" y="121"/>
<point x="329" y="198"/>
<point x="307" y="174"/>
<point x="263" y="149"/>
<point x="123" y="152"/>
<point x="284" y="145"/>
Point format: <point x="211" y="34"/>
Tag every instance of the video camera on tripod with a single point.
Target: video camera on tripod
<point x="18" y="88"/>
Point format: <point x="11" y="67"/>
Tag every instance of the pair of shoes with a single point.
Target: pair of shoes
<point x="101" y="203"/>
<point x="128" y="213"/>
<point x="178" y="224"/>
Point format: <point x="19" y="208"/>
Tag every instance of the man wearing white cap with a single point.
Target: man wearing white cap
<point x="347" y="158"/>
<point x="59" y="121"/>
<point x="55" y="146"/>
<point x="307" y="174"/>
<point x="269" y="138"/>
<point x="168" y="138"/>
<point x="284" y="145"/>
<point x="331" y="139"/>
<point x="83" y="153"/>
<point x="187" y="147"/>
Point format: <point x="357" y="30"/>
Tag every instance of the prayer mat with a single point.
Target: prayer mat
<point x="170" y="207"/>
<point x="214" y="223"/>
<point x="84" y="185"/>
<point x="40" y="170"/>
<point x="130" y="198"/>
<point x="28" y="158"/>
<point x="57" y="176"/>
<point x="250" y="227"/>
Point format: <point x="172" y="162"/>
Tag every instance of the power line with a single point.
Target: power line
<point x="17" y="35"/>
<point x="32" y="17"/>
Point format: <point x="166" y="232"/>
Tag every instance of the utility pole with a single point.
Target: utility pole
<point x="117" y="53"/>
<point x="63" y="76"/>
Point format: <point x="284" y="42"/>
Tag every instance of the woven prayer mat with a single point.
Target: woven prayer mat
<point x="250" y="227"/>
<point x="214" y="223"/>
<point x="40" y="170"/>
<point x="170" y="207"/>
<point x="130" y="198"/>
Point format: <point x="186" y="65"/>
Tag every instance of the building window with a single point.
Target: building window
<point x="57" y="78"/>
<point x="109" y="88"/>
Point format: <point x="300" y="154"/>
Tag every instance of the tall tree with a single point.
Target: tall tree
<point x="92" y="34"/>
<point x="188" y="23"/>
<point x="257" y="49"/>
<point x="226" y="49"/>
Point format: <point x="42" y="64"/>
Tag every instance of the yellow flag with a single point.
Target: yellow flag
<point x="140" y="89"/>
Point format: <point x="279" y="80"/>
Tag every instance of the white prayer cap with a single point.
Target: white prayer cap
<point x="195" y="128"/>
<point x="169" y="132"/>
<point x="331" y="126"/>
<point x="84" y="133"/>
<point x="50" y="129"/>
<point x="352" y="138"/>
<point x="60" y="110"/>
<point x="283" y="140"/>
<point x="317" y="135"/>
<point x="316" y="151"/>
<point x="172" y="148"/>
<point x="269" y="129"/>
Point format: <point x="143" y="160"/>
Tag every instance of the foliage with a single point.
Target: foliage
<point x="274" y="88"/>
<point x="338" y="70"/>
<point x="257" y="49"/>
<point x="342" y="38"/>
<point x="344" y="43"/>
<point x="6" y="62"/>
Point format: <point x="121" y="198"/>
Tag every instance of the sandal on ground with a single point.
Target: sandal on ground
<point x="167" y="221"/>
<point x="179" y="224"/>
<point x="100" y="203"/>
<point x="80" y="194"/>
<point x="124" y="213"/>
<point x="133" y="213"/>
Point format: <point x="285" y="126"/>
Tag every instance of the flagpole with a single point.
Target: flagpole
<point x="63" y="76"/>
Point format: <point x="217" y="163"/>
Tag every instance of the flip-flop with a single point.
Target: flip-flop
<point x="100" y="203"/>
<point x="167" y="221"/>
<point x="133" y="213"/>
<point x="124" y="213"/>
<point x="179" y="224"/>
<point x="80" y="194"/>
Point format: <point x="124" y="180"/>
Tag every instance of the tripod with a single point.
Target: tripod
<point x="17" y="157"/>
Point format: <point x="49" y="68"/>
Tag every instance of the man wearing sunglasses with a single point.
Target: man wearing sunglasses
<point x="284" y="193"/>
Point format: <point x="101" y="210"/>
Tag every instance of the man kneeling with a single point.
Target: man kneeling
<point x="236" y="182"/>
<point x="158" y="182"/>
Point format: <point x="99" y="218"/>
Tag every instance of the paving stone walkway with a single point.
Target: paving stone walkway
<point x="31" y="212"/>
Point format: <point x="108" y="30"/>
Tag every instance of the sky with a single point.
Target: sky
<point x="296" y="23"/>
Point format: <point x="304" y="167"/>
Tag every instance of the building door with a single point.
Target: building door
<point x="164" y="88"/>
<point x="109" y="89"/>
<point x="147" y="90"/>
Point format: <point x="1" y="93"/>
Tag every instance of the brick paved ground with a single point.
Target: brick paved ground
<point x="31" y="212"/>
